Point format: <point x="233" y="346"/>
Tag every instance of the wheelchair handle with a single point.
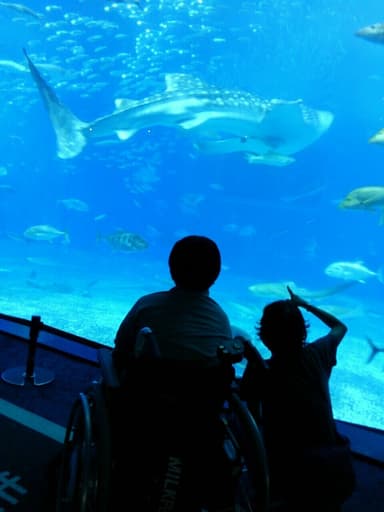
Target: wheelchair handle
<point x="231" y="354"/>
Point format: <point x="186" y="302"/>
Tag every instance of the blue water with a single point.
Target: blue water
<point x="273" y="224"/>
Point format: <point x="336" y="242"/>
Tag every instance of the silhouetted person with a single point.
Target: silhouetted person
<point x="310" y="462"/>
<point x="187" y="323"/>
<point x="188" y="326"/>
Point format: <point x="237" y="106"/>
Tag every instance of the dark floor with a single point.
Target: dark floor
<point x="54" y="400"/>
<point x="369" y="494"/>
<point x="25" y="455"/>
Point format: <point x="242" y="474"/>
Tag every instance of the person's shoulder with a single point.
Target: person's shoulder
<point x="152" y="297"/>
<point x="316" y="345"/>
<point x="216" y="305"/>
<point x="325" y="348"/>
<point x="326" y="340"/>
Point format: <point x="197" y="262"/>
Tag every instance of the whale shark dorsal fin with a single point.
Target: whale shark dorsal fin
<point x="182" y="81"/>
<point x="124" y="103"/>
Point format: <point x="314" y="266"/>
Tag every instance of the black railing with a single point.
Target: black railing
<point x="37" y="334"/>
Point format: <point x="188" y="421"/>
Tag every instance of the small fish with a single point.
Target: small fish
<point x="352" y="271"/>
<point x="34" y="281"/>
<point x="86" y="291"/>
<point x="373" y="33"/>
<point x="6" y="188"/>
<point x="100" y="217"/>
<point x="374" y="349"/>
<point x="138" y="3"/>
<point x="54" y="286"/>
<point x="74" y="204"/>
<point x="270" y="159"/>
<point x="125" y="241"/>
<point x="369" y="198"/>
<point x="310" y="192"/>
<point x="364" y="198"/>
<point x="23" y="9"/>
<point x="39" y="260"/>
<point x="45" y="232"/>
<point x="11" y="64"/>
<point x="15" y="66"/>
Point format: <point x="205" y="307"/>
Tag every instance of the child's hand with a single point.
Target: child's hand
<point x="251" y="353"/>
<point x="296" y="299"/>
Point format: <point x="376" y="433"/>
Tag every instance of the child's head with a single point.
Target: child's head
<point x="282" y="327"/>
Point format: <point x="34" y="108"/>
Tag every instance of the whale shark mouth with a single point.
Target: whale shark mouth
<point x="218" y="121"/>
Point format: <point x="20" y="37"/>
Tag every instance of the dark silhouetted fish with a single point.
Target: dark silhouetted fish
<point x="374" y="349"/>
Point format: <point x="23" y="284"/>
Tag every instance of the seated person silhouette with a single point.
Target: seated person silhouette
<point x="187" y="323"/>
<point x="310" y="463"/>
<point x="189" y="327"/>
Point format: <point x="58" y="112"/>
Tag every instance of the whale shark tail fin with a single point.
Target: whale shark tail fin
<point x="69" y="129"/>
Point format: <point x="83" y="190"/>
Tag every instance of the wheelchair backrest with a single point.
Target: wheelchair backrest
<point x="191" y="383"/>
<point x="174" y="399"/>
<point x="181" y="383"/>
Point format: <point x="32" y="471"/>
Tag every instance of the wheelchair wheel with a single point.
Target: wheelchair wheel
<point x="84" y="474"/>
<point x="250" y="457"/>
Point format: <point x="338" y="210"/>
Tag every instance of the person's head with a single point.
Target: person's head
<point x="194" y="263"/>
<point x="282" y="327"/>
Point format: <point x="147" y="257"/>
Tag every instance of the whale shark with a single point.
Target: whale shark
<point x="217" y="120"/>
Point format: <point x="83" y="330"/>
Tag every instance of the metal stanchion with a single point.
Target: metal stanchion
<point x="20" y="376"/>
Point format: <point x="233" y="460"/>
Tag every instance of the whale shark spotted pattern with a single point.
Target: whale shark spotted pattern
<point x="217" y="120"/>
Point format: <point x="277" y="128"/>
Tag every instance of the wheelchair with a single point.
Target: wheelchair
<point x="172" y="437"/>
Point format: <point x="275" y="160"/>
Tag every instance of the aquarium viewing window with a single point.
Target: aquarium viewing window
<point x="126" y="125"/>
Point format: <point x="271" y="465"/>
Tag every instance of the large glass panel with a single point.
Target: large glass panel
<point x="137" y="122"/>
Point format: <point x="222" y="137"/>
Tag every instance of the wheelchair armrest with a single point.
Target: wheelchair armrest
<point x="146" y="345"/>
<point x="108" y="369"/>
<point x="231" y="353"/>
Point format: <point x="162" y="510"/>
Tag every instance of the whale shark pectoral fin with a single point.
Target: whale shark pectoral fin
<point x="68" y="128"/>
<point x="125" y="134"/>
<point x="192" y="122"/>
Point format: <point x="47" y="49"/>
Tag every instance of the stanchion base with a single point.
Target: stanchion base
<point x="18" y="377"/>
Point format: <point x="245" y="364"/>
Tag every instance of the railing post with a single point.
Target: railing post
<point x="21" y="375"/>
